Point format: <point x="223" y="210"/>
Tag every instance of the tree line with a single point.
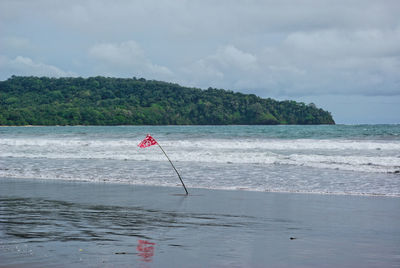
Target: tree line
<point x="131" y="101"/>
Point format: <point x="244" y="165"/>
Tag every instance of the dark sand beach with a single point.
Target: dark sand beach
<point x="78" y="224"/>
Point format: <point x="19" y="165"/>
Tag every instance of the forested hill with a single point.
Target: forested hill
<point x="117" y="101"/>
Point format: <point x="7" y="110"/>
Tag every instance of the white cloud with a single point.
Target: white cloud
<point x="124" y="54"/>
<point x="126" y="58"/>
<point x="231" y="57"/>
<point x="222" y="67"/>
<point x="343" y="43"/>
<point x="25" y="66"/>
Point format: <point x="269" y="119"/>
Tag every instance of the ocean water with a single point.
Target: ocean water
<point x="339" y="159"/>
<point x="89" y="197"/>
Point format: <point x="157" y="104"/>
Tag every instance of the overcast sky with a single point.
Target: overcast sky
<point x="344" y="56"/>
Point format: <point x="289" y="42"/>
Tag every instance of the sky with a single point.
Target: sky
<point x="344" y="56"/>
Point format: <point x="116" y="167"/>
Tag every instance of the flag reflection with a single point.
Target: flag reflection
<point x="145" y="250"/>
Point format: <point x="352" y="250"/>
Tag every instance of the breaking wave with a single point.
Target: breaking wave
<point x="217" y="159"/>
<point x="351" y="155"/>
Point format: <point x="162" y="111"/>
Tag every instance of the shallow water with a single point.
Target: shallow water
<point x="75" y="224"/>
<point x="356" y="160"/>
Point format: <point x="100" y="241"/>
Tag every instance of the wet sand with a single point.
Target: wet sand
<point x="78" y="224"/>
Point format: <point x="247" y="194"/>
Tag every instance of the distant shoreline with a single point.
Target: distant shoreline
<point x="164" y="125"/>
<point x="361" y="124"/>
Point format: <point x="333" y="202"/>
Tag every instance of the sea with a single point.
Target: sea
<point x="321" y="159"/>
<point x="259" y="196"/>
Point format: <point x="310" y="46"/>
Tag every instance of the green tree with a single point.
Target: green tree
<point x="116" y="101"/>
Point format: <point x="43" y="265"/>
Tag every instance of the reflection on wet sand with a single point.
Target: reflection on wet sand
<point x="145" y="250"/>
<point x="37" y="221"/>
<point x="44" y="224"/>
<point x="40" y="220"/>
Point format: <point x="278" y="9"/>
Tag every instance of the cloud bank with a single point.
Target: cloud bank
<point x="282" y="49"/>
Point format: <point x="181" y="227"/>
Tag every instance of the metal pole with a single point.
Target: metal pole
<point x="174" y="168"/>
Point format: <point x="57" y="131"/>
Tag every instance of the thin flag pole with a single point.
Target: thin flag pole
<point x="149" y="141"/>
<point x="174" y="168"/>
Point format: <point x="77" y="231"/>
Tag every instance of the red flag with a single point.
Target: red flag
<point x="148" y="141"/>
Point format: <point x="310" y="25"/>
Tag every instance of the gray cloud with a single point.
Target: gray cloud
<point x="12" y="43"/>
<point x="220" y="67"/>
<point x="312" y="63"/>
<point x="126" y="58"/>
<point x="272" y="48"/>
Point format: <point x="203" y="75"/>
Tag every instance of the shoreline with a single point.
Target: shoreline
<point x="180" y="125"/>
<point x="336" y="124"/>
<point x="239" y="189"/>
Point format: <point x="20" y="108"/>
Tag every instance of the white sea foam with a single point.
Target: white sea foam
<point x="340" y="166"/>
<point x="298" y="144"/>
<point x="268" y="144"/>
<point x="249" y="177"/>
<point x="364" y="156"/>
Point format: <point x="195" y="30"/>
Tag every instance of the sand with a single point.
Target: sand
<point x="77" y="224"/>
